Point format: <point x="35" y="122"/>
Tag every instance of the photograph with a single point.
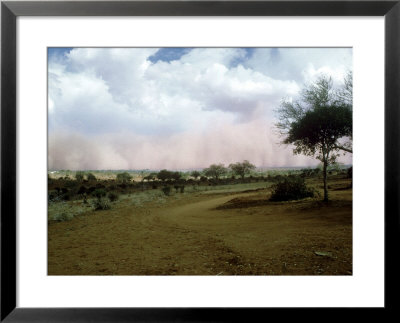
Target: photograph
<point x="200" y="161"/>
<point x="193" y="160"/>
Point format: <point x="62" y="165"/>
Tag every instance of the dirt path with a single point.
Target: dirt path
<point x="191" y="237"/>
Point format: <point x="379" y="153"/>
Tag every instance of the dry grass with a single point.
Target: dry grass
<point x="148" y="233"/>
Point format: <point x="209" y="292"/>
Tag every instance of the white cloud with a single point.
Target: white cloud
<point x="120" y="109"/>
<point x="293" y="63"/>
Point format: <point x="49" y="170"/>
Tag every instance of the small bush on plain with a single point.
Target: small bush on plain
<point x="101" y="204"/>
<point x="167" y="190"/>
<point x="79" y="176"/>
<point x="99" y="193"/>
<point x="291" y="188"/>
<point x="350" y="172"/>
<point x="91" y="177"/>
<point x="112" y="196"/>
<point x="61" y="217"/>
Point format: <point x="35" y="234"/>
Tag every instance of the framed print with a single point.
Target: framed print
<point x="193" y="160"/>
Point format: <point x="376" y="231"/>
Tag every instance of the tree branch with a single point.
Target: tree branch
<point x="343" y="148"/>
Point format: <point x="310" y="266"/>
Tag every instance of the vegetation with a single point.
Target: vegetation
<point x="112" y="196"/>
<point x="91" y="177"/>
<point x="164" y="175"/>
<point x="61" y="217"/>
<point x="291" y="188"/>
<point x="215" y="171"/>
<point x="101" y="204"/>
<point x="61" y="189"/>
<point x="196" y="174"/>
<point x="124" y="177"/>
<point x="317" y="122"/>
<point x="176" y="176"/>
<point x="79" y="176"/>
<point x="99" y="193"/>
<point x="167" y="190"/>
<point x="242" y="168"/>
<point x="150" y="177"/>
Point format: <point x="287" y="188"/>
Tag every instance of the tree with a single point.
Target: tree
<point x="215" y="171"/>
<point x="91" y="177"/>
<point x="150" y="177"/>
<point x="196" y="174"/>
<point x="176" y="176"/>
<point x="124" y="177"/>
<point x="345" y="97"/>
<point x="315" y="123"/>
<point x="79" y="175"/>
<point x="242" y="169"/>
<point x="164" y="175"/>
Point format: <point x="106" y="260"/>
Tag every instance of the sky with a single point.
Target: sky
<point x="178" y="108"/>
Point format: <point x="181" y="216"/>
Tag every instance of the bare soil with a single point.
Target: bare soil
<point x="209" y="233"/>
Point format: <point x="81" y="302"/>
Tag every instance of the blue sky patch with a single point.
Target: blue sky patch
<point x="169" y="54"/>
<point x="58" y="51"/>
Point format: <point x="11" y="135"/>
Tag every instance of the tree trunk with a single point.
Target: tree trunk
<point x="325" y="161"/>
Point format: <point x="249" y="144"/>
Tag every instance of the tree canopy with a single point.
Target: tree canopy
<point x="215" y="170"/>
<point x="164" y="175"/>
<point x="124" y="177"/>
<point x="196" y="174"/>
<point x="242" y="168"/>
<point x="320" y="122"/>
<point x="79" y="175"/>
<point x="91" y="177"/>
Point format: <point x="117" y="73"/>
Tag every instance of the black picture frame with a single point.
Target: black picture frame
<point x="10" y="10"/>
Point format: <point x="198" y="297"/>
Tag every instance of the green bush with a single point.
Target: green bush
<point x="291" y="188"/>
<point x="61" y="217"/>
<point x="166" y="190"/>
<point x="99" y="193"/>
<point x="79" y="176"/>
<point x="101" y="204"/>
<point x="112" y="196"/>
<point x="124" y="177"/>
<point x="350" y="172"/>
<point x="91" y="177"/>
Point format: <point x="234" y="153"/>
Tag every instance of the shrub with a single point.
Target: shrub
<point x="196" y="174"/>
<point x="166" y="190"/>
<point x="99" y="193"/>
<point x="101" y="204"/>
<point x="306" y="172"/>
<point x="291" y="188"/>
<point x="66" y="196"/>
<point x="350" y="172"/>
<point x="124" y="177"/>
<point x="91" y="177"/>
<point x="61" y="217"/>
<point x="164" y="175"/>
<point x="82" y="190"/>
<point x="79" y="176"/>
<point x="112" y="196"/>
<point x="182" y="188"/>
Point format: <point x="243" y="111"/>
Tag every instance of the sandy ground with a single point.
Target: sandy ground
<point x="208" y="234"/>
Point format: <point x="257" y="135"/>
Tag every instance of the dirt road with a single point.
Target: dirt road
<point x="191" y="236"/>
